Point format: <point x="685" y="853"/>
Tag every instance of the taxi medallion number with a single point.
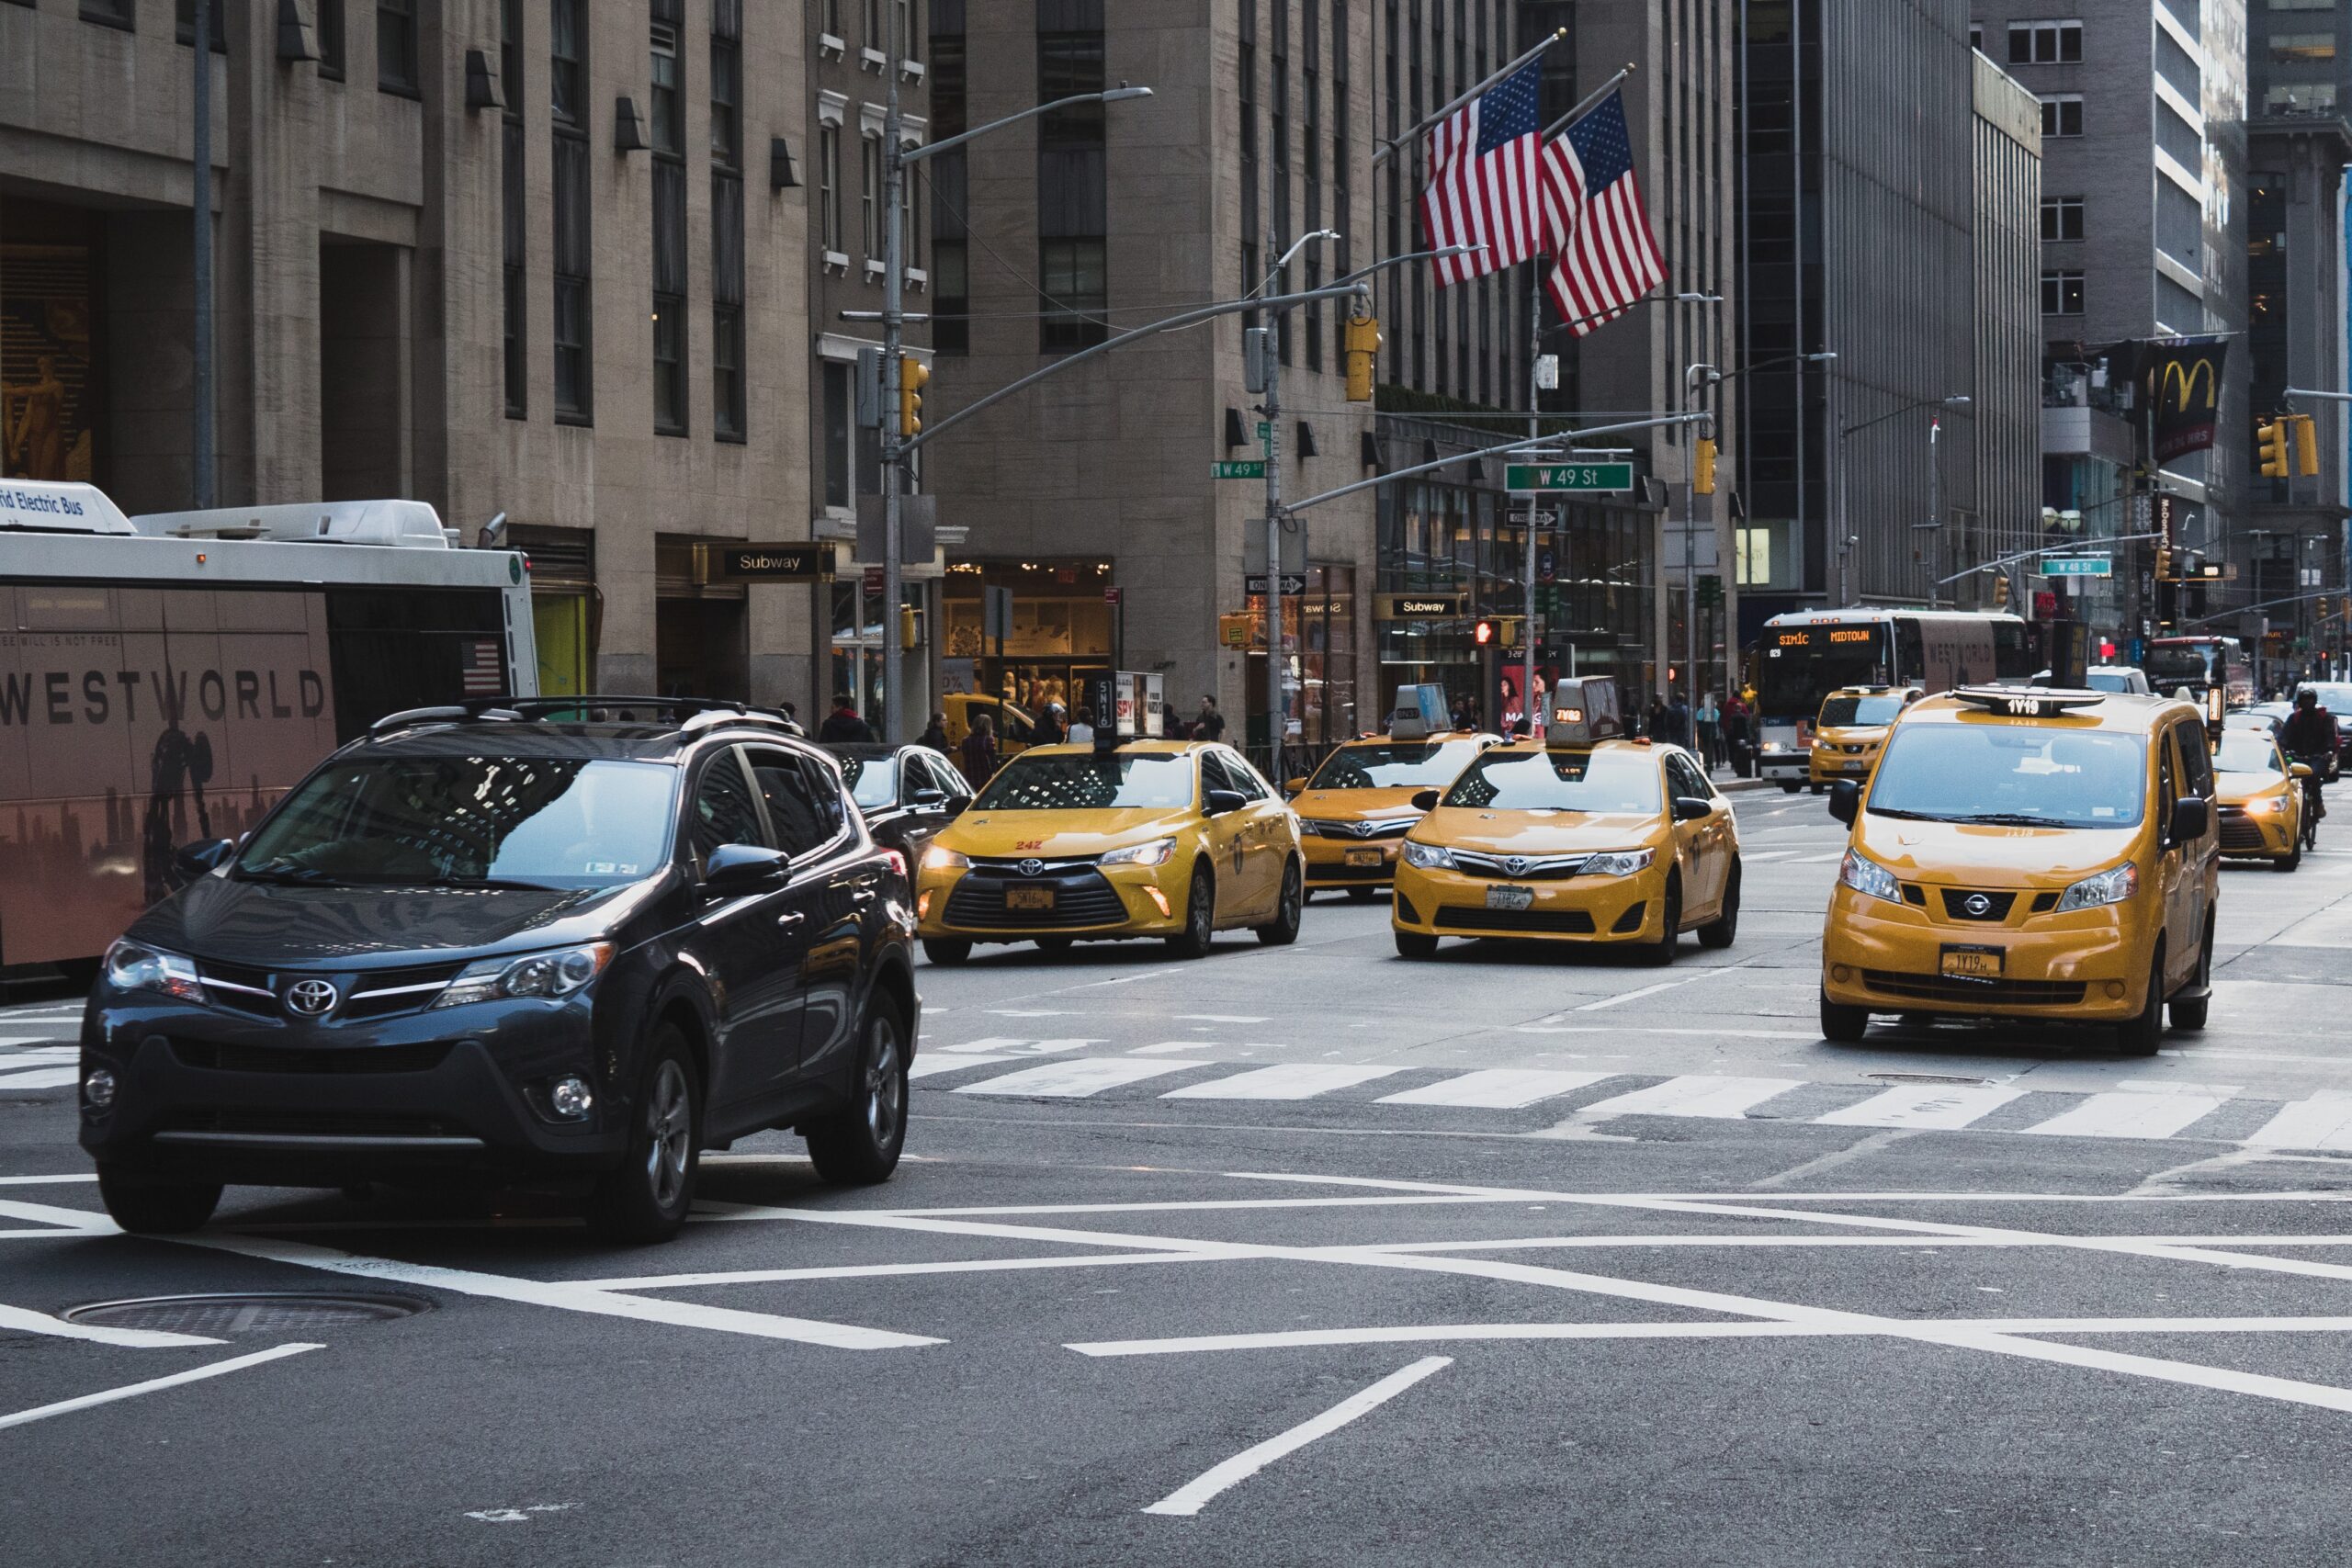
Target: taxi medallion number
<point x="1973" y="962"/>
<point x="1510" y="897"/>
<point x="1364" y="857"/>
<point x="1028" y="897"/>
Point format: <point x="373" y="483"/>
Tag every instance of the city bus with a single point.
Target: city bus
<point x="1808" y="654"/>
<point x="166" y="677"/>
<point x="2191" y="666"/>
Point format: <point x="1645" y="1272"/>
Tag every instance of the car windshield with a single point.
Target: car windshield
<point x="1560" y="781"/>
<point x="548" y="821"/>
<point x="1091" y="781"/>
<point x="2334" y="696"/>
<point x="1841" y="712"/>
<point x="2013" y="775"/>
<point x="1393" y="764"/>
<point x="870" y="779"/>
<point x="2104" y="680"/>
<point x="2245" y="751"/>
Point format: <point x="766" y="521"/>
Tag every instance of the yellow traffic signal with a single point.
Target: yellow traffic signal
<point x="2270" y="445"/>
<point x="1360" y="343"/>
<point x="2001" y="589"/>
<point x="2306" y="445"/>
<point x="913" y="376"/>
<point x="2164" y="563"/>
<point x="1702" y="467"/>
<point x="908" y="627"/>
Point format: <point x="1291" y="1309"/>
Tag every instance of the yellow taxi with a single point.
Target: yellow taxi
<point x="1356" y="809"/>
<point x="2028" y="854"/>
<point x="1171" y="839"/>
<point x="1016" y="728"/>
<point x="1852" y="730"/>
<point x="1575" y="837"/>
<point x="2261" y="798"/>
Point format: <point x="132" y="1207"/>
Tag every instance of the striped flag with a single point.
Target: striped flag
<point x="484" y="674"/>
<point x="1595" y="225"/>
<point x="1482" y="180"/>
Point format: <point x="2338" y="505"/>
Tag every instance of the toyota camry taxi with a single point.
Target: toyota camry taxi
<point x="2261" y="798"/>
<point x="1582" y="837"/>
<point x="2029" y="853"/>
<point x="1355" y="810"/>
<point x="1851" y="731"/>
<point x="1171" y="839"/>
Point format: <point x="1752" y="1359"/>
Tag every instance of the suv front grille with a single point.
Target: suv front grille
<point x="317" y="1123"/>
<point x="1531" y="922"/>
<point x="370" y="994"/>
<point x="213" y="1056"/>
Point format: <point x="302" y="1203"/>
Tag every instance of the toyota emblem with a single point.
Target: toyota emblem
<point x="311" y="997"/>
<point x="1030" y="867"/>
<point x="1516" y="866"/>
<point x="1978" y="905"/>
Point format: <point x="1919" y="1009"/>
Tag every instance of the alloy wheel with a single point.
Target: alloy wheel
<point x="668" y="1133"/>
<point x="885" y="1089"/>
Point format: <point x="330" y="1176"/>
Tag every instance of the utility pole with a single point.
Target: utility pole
<point x="1934" y="512"/>
<point x="894" y="282"/>
<point x="200" y="259"/>
<point x="1277" y="693"/>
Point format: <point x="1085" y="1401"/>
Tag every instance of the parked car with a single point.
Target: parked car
<point x="907" y="793"/>
<point x="510" y="940"/>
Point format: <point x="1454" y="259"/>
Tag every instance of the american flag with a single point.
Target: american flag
<point x="484" y="674"/>
<point x="1597" y="229"/>
<point x="1482" y="180"/>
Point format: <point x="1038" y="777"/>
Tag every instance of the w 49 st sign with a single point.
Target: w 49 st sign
<point x="1589" y="479"/>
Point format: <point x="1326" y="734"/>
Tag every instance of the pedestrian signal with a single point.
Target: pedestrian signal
<point x="1482" y="634"/>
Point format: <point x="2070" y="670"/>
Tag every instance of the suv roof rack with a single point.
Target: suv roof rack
<point x="685" y="714"/>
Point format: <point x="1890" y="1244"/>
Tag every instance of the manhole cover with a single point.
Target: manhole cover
<point x="1924" y="1077"/>
<point x="265" y="1312"/>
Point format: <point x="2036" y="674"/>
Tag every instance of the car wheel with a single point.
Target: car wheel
<point x="147" y="1205"/>
<point x="2142" y="1034"/>
<point x="946" y="952"/>
<point x="1842" y="1025"/>
<point x="1414" y="944"/>
<point x="1788" y="788"/>
<point x="1283" y="930"/>
<point x="1722" y="930"/>
<point x="1200" y="918"/>
<point x="2188" y="1014"/>
<point x="1661" y="951"/>
<point x="1363" y="895"/>
<point x="861" y="1145"/>
<point x="645" y="1197"/>
<point x="2292" y="859"/>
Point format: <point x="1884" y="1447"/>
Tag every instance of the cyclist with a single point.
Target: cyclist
<point x="2309" y="735"/>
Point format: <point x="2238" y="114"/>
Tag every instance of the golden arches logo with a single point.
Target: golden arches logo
<point x="2186" y="375"/>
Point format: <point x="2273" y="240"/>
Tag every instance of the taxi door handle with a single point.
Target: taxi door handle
<point x="791" y="919"/>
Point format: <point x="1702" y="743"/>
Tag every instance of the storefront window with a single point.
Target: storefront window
<point x="1062" y="634"/>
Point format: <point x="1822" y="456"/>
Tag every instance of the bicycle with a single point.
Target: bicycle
<point x="2314" y="806"/>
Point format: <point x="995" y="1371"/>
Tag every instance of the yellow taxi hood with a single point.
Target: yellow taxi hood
<point x="1537" y="832"/>
<point x="1353" y="804"/>
<point x="1978" y="854"/>
<point x="2236" y="789"/>
<point x="1051" y="835"/>
<point x="1847" y="735"/>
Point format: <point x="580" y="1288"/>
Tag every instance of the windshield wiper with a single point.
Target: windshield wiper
<point x="2014" y="819"/>
<point x="1909" y="816"/>
<point x="495" y="884"/>
<point x="291" y="876"/>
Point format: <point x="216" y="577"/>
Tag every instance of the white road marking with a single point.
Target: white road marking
<point x="1077" y="1079"/>
<point x="1195" y="1494"/>
<point x="1220" y="1017"/>
<point x="1032" y="1012"/>
<point x="24" y="1320"/>
<point x="154" y="1385"/>
<point x="1946" y="1106"/>
<point x="71" y="1221"/>
<point x="39" y="1078"/>
<point x="949" y="1062"/>
<point x="1819" y="860"/>
<point x="40" y="1040"/>
<point x="1754" y="857"/>
<point x="890" y="1271"/>
<point x="46" y="1180"/>
<point x="2134" y="1113"/>
<point x="1298" y="1082"/>
<point x="2169" y="1086"/>
<point x="521" y="1515"/>
<point x="1497" y="1089"/>
<point x="2323" y="1122"/>
<point x="1005" y="1045"/>
<point x="1624" y="996"/>
<point x="1811" y="1034"/>
<point x="1717" y="1098"/>
<point x="1166" y="1047"/>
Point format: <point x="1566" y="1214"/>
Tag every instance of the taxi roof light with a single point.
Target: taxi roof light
<point x="2027" y="702"/>
<point x="1583" y="710"/>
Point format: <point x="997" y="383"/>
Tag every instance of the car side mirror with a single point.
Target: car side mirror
<point x="957" y="806"/>
<point x="201" y="857"/>
<point x="745" y="868"/>
<point x="1846" y="801"/>
<point x="1220" y="801"/>
<point x="1425" y="800"/>
<point x="2300" y="770"/>
<point x="928" y="797"/>
<point x="1690" y="809"/>
<point x="2190" y="816"/>
<point x="1293" y="787"/>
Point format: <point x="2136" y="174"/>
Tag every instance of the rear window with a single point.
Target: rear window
<point x="2246" y="751"/>
<point x="1624" y="781"/>
<point x="2012" y="776"/>
<point x="1840" y="712"/>
<point x="1393" y="764"/>
<point x="868" y="779"/>
<point x="1094" y="782"/>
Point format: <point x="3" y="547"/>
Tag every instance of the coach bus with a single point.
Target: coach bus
<point x="1808" y="654"/>
<point x="2191" y="666"/>
<point x="166" y="677"/>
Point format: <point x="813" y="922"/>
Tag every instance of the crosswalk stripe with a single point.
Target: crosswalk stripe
<point x="1752" y="857"/>
<point x="1819" y="860"/>
<point x="2130" y="1114"/>
<point x="1077" y="1079"/>
<point x="1495" y="1089"/>
<point x="932" y="1067"/>
<point x="2323" y="1122"/>
<point x="1947" y="1106"/>
<point x="1290" y="1081"/>
<point x="44" y="1078"/>
<point x="1003" y="1044"/>
<point x="1696" y="1094"/>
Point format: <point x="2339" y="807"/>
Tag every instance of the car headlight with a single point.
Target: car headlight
<point x="1869" y="878"/>
<point x="939" y="857"/>
<point x="557" y="974"/>
<point x="2267" y="805"/>
<point x="1775" y="746"/>
<point x="1618" y="863"/>
<point x="1155" y="852"/>
<point x="1428" y="857"/>
<point x="2106" y="887"/>
<point x="132" y="966"/>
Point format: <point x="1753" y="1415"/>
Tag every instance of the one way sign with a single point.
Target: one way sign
<point x="1294" y="583"/>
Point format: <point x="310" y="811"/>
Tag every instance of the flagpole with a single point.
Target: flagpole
<point x="1422" y="124"/>
<point x="1586" y="102"/>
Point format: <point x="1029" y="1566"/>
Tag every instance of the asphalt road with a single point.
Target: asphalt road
<point x="1308" y="1256"/>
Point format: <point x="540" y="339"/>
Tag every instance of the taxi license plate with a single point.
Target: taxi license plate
<point x="1364" y="857"/>
<point x="1510" y="897"/>
<point x="1973" y="963"/>
<point x="1028" y="897"/>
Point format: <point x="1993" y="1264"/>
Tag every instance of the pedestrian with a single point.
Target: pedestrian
<point x="843" y="723"/>
<point x="1050" y="729"/>
<point x="1677" y="721"/>
<point x="1208" y="724"/>
<point x="1654" y="719"/>
<point x="1082" y="733"/>
<point x="1735" y="735"/>
<point x="934" y="734"/>
<point x="976" y="756"/>
<point x="1711" y="732"/>
<point x="1171" y="724"/>
<point x="1519" y="731"/>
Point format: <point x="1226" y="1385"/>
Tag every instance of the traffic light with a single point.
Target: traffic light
<point x="1702" y="467"/>
<point x="2164" y="563"/>
<point x="1360" y="343"/>
<point x="2001" y="591"/>
<point x="1482" y="634"/>
<point x="913" y="376"/>
<point x="2270" y="445"/>
<point x="2306" y="445"/>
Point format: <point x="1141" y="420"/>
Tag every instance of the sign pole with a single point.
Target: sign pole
<point x="1527" y="556"/>
<point x="894" y="265"/>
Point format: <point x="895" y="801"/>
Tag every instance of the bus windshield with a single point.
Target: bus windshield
<point x="1393" y="764"/>
<point x="2190" y="661"/>
<point x="1802" y="665"/>
<point x="1843" y="712"/>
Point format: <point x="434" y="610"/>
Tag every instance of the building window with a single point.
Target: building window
<point x="726" y="87"/>
<point x="2062" y="115"/>
<point x="1072" y="205"/>
<point x="188" y="23"/>
<point x="668" y="364"/>
<point x="2062" y="218"/>
<point x="727" y="392"/>
<point x="1977" y="35"/>
<point x="514" y="214"/>
<point x="837" y="433"/>
<point x="111" y="14"/>
<point x="2300" y="48"/>
<point x="951" y="288"/>
<point x="906" y="25"/>
<point x="870" y="195"/>
<point x="2062" y="293"/>
<point x="668" y="106"/>
<point x="331" y="41"/>
<point x="567" y="63"/>
<point x="2299" y="97"/>
<point x="566" y="78"/>
<point x="396" y="46"/>
<point x="2045" y="43"/>
<point x="874" y="38"/>
<point x="829" y="185"/>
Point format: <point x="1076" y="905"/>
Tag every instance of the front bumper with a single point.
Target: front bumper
<point x="2265" y="835"/>
<point x="977" y="903"/>
<point x="1345" y="863"/>
<point x="2085" y="966"/>
<point x="1573" y="908"/>
<point x="1828" y="767"/>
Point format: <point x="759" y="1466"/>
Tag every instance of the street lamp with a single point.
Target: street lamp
<point x="1846" y="539"/>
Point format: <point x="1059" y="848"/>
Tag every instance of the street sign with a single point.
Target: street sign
<point x="1577" y="478"/>
<point x="1294" y="583"/>
<point x="2079" y="565"/>
<point x="1113" y="595"/>
<point x="996" y="614"/>
<point x="1245" y="468"/>
<point x="1419" y="606"/>
<point x="1711" y="591"/>
<point x="769" y="563"/>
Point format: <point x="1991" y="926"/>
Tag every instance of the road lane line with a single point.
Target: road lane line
<point x="1079" y="1078"/>
<point x="1624" y="996"/>
<point x="1195" y="1494"/>
<point x="40" y="1077"/>
<point x="883" y="1270"/>
<point x="948" y="1062"/>
<point x="1220" y="1018"/>
<point x="1716" y="1098"/>
<point x="24" y="1320"/>
<point x="2130" y="1113"/>
<point x="1497" y="1089"/>
<point x="154" y="1385"/>
<point x="1293" y="1081"/>
<point x="2322" y="1122"/>
<point x="44" y="1181"/>
<point x="72" y="1222"/>
<point x="1946" y="1108"/>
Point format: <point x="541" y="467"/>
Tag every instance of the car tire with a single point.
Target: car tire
<point x="1843" y="1025"/>
<point x="947" y="952"/>
<point x="1414" y="944"/>
<point x="2188" y="1014"/>
<point x="2293" y="858"/>
<point x="646" y="1197"/>
<point x="1363" y="895"/>
<point x="2144" y="1034"/>
<point x="1721" y="931"/>
<point x="1283" y="930"/>
<point x="861" y="1145"/>
<point x="1200" y="917"/>
<point x="1661" y="951"/>
<point x="1788" y="788"/>
<point x="148" y="1205"/>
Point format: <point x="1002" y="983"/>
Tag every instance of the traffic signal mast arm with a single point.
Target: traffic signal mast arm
<point x="1530" y="445"/>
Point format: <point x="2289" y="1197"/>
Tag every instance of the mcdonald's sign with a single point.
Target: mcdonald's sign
<point x="2182" y="380"/>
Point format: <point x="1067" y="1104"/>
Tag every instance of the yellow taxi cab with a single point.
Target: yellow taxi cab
<point x="1016" y="728"/>
<point x="1580" y="837"/>
<point x="2028" y="854"/>
<point x="2260" y="795"/>
<point x="1851" y="731"/>
<point x="1357" y="807"/>
<point x="1172" y="839"/>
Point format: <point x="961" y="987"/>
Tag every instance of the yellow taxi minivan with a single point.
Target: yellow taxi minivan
<point x="1852" y="730"/>
<point x="2261" y="798"/>
<point x="1355" y="809"/>
<point x="2021" y="852"/>
<point x="1607" y="840"/>
<point x="1171" y="839"/>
